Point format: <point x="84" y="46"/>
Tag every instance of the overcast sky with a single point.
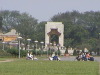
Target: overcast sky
<point x="43" y="10"/>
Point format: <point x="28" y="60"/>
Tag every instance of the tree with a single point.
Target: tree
<point x="74" y="31"/>
<point x="40" y="31"/>
<point x="1" y="24"/>
<point x="26" y="27"/>
<point x="9" y="18"/>
<point x="23" y="23"/>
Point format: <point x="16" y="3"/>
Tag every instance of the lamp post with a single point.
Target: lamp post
<point x="99" y="35"/>
<point x="41" y="46"/>
<point x="99" y="48"/>
<point x="16" y="45"/>
<point x="36" y="46"/>
<point x="58" y="48"/>
<point x="19" y="38"/>
<point x="3" y="47"/>
<point x="28" y="43"/>
<point x="50" y="48"/>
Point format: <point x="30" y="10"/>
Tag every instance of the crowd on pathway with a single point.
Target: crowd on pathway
<point x="85" y="57"/>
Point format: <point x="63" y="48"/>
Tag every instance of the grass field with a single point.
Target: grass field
<point x="40" y="67"/>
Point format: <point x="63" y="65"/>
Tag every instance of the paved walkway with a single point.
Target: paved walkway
<point x="9" y="60"/>
<point x="72" y="58"/>
<point x="64" y="58"/>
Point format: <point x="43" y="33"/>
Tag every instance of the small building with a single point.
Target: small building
<point x="8" y="37"/>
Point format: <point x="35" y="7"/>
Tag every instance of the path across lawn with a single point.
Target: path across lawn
<point x="8" y="60"/>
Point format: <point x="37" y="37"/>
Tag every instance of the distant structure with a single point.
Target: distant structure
<point x="54" y="33"/>
<point x="8" y="37"/>
<point x="54" y="37"/>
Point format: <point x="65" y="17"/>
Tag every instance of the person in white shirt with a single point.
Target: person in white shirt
<point x="29" y="55"/>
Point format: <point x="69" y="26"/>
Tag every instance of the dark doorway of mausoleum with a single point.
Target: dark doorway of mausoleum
<point x="54" y="36"/>
<point x="54" y="39"/>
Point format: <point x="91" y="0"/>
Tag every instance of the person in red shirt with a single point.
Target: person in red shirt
<point x="87" y="56"/>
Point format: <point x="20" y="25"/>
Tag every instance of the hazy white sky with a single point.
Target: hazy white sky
<point x="43" y="10"/>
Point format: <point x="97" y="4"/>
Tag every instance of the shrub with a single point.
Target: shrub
<point x="15" y="52"/>
<point x="4" y="54"/>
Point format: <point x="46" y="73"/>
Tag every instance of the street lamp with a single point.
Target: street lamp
<point x="3" y="46"/>
<point x="58" y="48"/>
<point x="28" y="43"/>
<point x="50" y="48"/>
<point x="41" y="46"/>
<point x="99" y="48"/>
<point x="19" y="38"/>
<point x="36" y="46"/>
<point x="23" y="46"/>
<point x="16" y="45"/>
<point x="99" y="33"/>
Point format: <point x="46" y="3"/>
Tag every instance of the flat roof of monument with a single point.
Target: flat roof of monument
<point x="54" y="22"/>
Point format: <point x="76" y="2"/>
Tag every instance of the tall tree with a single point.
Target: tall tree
<point x="40" y="32"/>
<point x="8" y="19"/>
<point x="74" y="31"/>
<point x="26" y="27"/>
<point x="1" y="24"/>
<point x="23" y="23"/>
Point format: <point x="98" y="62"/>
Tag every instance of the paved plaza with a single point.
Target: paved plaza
<point x="72" y="58"/>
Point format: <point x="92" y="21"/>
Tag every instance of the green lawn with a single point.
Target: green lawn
<point x="40" y="67"/>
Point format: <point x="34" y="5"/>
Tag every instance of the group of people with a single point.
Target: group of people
<point x="80" y="57"/>
<point x="30" y="56"/>
<point x="85" y="57"/>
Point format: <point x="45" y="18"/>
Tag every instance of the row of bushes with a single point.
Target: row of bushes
<point x="15" y="52"/>
<point x="4" y="54"/>
<point x="40" y="52"/>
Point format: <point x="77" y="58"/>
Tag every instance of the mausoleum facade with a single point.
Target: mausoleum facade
<point x="54" y="33"/>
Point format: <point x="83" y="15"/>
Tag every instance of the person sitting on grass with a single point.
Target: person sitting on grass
<point x="79" y="57"/>
<point x="54" y="58"/>
<point x="29" y="56"/>
<point x="35" y="58"/>
<point x="89" y="58"/>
